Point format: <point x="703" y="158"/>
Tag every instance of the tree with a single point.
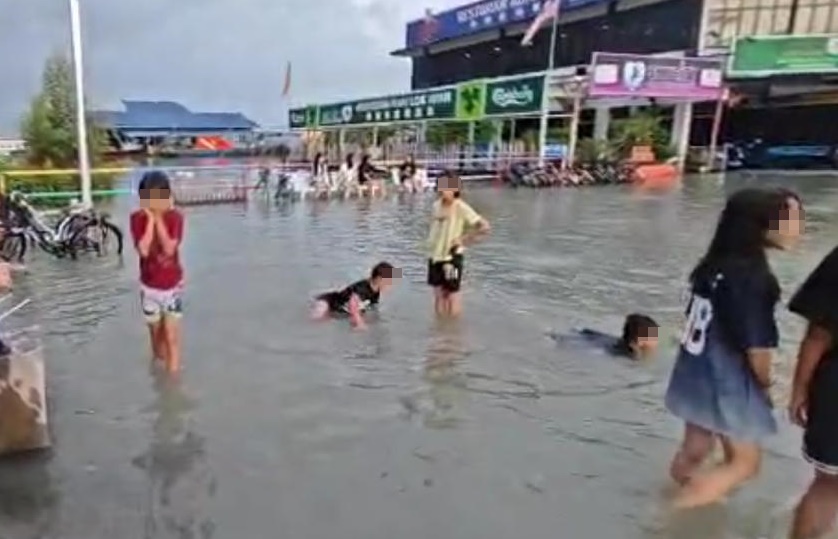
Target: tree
<point x="49" y="127"/>
<point x="643" y="128"/>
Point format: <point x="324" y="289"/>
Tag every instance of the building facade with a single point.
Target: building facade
<point x="728" y="19"/>
<point x="585" y="26"/>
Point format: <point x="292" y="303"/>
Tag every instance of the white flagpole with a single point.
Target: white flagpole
<point x="545" y="94"/>
<point x="81" y="122"/>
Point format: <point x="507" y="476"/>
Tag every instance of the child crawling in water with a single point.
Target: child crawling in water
<point x="357" y="298"/>
<point x="638" y="341"/>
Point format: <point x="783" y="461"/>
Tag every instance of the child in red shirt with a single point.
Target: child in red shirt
<point x="157" y="230"/>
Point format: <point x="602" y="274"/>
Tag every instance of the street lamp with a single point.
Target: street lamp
<point x="81" y="120"/>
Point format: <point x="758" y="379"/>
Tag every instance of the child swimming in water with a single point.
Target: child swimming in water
<point x="639" y="339"/>
<point x="356" y="298"/>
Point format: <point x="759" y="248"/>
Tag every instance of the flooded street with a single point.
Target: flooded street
<point x="480" y="429"/>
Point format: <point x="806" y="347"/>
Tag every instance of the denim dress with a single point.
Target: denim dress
<point x="731" y="310"/>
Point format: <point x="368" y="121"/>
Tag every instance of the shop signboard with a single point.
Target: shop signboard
<point x="518" y="95"/>
<point x="765" y="56"/>
<point x="479" y="17"/>
<point x="637" y="75"/>
<point x="437" y="104"/>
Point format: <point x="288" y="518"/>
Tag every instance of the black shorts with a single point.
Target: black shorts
<point x="820" y="438"/>
<point x="450" y="280"/>
<point x="336" y="303"/>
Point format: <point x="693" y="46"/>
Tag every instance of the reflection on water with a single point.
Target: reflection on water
<point x="482" y="429"/>
<point x="179" y="480"/>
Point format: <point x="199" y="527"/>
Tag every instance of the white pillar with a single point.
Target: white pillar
<point x="602" y="121"/>
<point x="470" y="151"/>
<point x="680" y="137"/>
<point x="81" y="120"/>
<point x="574" y="131"/>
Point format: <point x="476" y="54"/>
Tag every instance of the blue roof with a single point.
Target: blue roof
<point x="167" y="116"/>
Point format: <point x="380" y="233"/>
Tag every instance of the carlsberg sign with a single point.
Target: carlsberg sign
<point x="514" y="96"/>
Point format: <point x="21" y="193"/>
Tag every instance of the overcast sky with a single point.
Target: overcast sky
<point x="211" y="55"/>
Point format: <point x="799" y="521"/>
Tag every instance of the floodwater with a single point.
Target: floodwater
<point x="482" y="429"/>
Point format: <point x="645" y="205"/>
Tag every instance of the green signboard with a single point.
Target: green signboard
<point x="783" y="55"/>
<point x="428" y="105"/>
<point x="304" y="118"/>
<point x="514" y="96"/>
<point x="471" y="100"/>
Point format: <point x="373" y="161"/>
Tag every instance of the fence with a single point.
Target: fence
<point x="215" y="184"/>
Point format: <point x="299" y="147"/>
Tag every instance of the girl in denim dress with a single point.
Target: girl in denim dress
<point x="720" y="381"/>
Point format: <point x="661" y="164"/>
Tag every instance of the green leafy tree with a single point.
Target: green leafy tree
<point x="49" y="127"/>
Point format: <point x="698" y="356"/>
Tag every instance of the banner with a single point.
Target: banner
<point x="636" y="75"/>
<point x="514" y="96"/>
<point x="471" y="100"/>
<point x="478" y="17"/>
<point x="763" y="56"/>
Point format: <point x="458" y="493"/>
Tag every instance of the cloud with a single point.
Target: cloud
<point x="224" y="55"/>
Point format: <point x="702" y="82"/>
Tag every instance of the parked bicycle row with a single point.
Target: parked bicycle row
<point x="551" y="175"/>
<point x="74" y="231"/>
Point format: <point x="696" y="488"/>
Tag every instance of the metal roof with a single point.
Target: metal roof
<point x="168" y="116"/>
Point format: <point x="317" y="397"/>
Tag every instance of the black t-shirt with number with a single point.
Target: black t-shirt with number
<point x="731" y="310"/>
<point x="339" y="300"/>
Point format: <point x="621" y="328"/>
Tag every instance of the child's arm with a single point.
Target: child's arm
<point x="169" y="239"/>
<point x="143" y="234"/>
<point x="355" y="317"/>
<point x="813" y="347"/>
<point x="478" y="225"/>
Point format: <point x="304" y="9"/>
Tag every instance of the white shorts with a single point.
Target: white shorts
<point x="159" y="304"/>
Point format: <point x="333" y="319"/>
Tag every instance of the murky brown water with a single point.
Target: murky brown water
<point x="483" y="429"/>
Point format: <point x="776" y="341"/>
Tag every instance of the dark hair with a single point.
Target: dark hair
<point x="365" y="159"/>
<point x="740" y="237"/>
<point x="636" y="326"/>
<point x="154" y="179"/>
<point x="382" y="269"/>
<point x="350" y="160"/>
<point x="317" y="158"/>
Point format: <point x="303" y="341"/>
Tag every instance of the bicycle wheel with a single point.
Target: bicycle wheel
<point x="13" y="247"/>
<point x="110" y="232"/>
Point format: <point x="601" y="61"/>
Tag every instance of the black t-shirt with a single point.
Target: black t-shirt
<point x="339" y="301"/>
<point x="609" y="344"/>
<point x="817" y="298"/>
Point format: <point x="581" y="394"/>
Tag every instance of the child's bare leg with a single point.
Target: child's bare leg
<point x="742" y="462"/>
<point x="439" y="301"/>
<point x="154" y="333"/>
<point x="171" y="332"/>
<point x="815" y="514"/>
<point x="320" y="310"/>
<point x="454" y="304"/>
<point x="694" y="450"/>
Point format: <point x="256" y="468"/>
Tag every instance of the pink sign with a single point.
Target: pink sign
<point x="638" y="75"/>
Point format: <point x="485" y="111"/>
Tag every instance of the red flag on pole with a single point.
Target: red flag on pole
<point x="286" y="87"/>
<point x="550" y="10"/>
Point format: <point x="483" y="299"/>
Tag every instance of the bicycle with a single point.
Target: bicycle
<point x="78" y="230"/>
